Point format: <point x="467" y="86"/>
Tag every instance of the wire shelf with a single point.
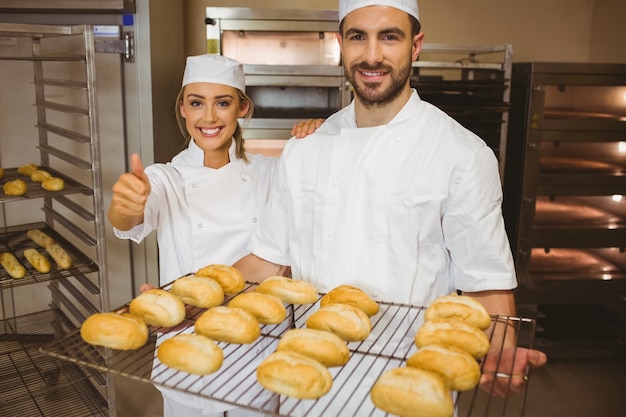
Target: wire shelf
<point x="14" y="240"/>
<point x="36" y="384"/>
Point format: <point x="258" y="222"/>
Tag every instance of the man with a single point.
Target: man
<point x="390" y="194"/>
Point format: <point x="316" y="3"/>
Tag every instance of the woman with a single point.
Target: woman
<point x="203" y="204"/>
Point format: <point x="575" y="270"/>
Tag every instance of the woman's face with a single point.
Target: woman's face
<point x="211" y="112"/>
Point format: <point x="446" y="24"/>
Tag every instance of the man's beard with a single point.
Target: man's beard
<point x="370" y="94"/>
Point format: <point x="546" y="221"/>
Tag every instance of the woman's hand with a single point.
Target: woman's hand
<point x="130" y="194"/>
<point x="306" y="127"/>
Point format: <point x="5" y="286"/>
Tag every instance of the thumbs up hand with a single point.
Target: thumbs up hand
<point x="130" y="194"/>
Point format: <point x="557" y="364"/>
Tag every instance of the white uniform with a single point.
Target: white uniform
<point x="407" y="211"/>
<point x="202" y="216"/>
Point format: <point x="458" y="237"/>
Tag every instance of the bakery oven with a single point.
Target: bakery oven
<point x="292" y="63"/>
<point x="565" y="181"/>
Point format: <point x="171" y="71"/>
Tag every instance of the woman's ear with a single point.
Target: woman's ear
<point x="181" y="108"/>
<point x="244" y="106"/>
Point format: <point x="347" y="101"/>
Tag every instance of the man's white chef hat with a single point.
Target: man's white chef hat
<point x="212" y="68"/>
<point x="408" y="6"/>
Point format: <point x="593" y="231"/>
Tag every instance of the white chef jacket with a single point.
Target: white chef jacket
<point x="202" y="216"/>
<point x="408" y="211"/>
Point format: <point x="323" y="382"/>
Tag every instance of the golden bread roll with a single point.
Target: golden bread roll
<point x="60" y="256"/>
<point x="347" y="294"/>
<point x="227" y="276"/>
<point x="412" y="392"/>
<point x="325" y="347"/>
<point x="348" y="322"/>
<point x="459" y="307"/>
<point x="39" y="175"/>
<point x="453" y="332"/>
<point x="27" y="169"/>
<point x="37" y="260"/>
<point x="39" y="237"/>
<point x="115" y="331"/>
<point x="198" y="291"/>
<point x="12" y="265"/>
<point x="192" y="353"/>
<point x="15" y="187"/>
<point x="53" y="184"/>
<point x="228" y="324"/>
<point x="265" y="307"/>
<point x="458" y="369"/>
<point x="158" y="307"/>
<point x="294" y="375"/>
<point x="291" y="291"/>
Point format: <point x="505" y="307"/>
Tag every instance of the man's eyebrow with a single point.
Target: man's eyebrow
<point x="391" y="30"/>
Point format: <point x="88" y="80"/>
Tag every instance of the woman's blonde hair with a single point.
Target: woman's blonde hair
<point x="240" y="151"/>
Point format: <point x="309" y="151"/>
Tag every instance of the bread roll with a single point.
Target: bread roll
<point x="12" y="265"/>
<point x="192" y="353"/>
<point x="228" y="324"/>
<point x="347" y="294"/>
<point x="37" y="260"/>
<point x="291" y="291"/>
<point x="15" y="187"/>
<point x="198" y="291"/>
<point x="458" y="369"/>
<point x="116" y="331"/>
<point x="60" y="256"/>
<point x="349" y="323"/>
<point x="294" y="375"/>
<point x="158" y="307"/>
<point x="459" y="307"/>
<point x="453" y="332"/>
<point x="39" y="237"/>
<point x="39" y="175"/>
<point x="27" y="169"/>
<point x="227" y="276"/>
<point x="53" y="184"/>
<point x="265" y="307"/>
<point x="412" y="392"/>
<point x="325" y="347"/>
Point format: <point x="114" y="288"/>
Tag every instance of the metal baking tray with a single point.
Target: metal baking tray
<point x="14" y="239"/>
<point x="385" y="348"/>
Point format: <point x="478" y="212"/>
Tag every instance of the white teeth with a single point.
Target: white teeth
<point x="210" y="131"/>
<point x="372" y="74"/>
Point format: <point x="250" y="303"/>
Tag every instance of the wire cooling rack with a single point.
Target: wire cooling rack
<point x="388" y="346"/>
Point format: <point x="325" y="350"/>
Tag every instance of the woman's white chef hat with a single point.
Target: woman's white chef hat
<point x="212" y="68"/>
<point x="408" y="6"/>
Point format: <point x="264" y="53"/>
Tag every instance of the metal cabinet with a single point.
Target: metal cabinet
<point x="43" y="306"/>
<point x="564" y="203"/>
<point x="292" y="64"/>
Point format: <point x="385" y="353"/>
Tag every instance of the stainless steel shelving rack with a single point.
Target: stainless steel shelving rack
<point x="64" y="80"/>
<point x="563" y="198"/>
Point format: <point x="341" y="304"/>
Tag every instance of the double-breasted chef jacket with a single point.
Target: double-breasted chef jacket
<point x="407" y="211"/>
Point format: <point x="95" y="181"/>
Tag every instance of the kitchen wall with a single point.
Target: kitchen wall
<point x="555" y="30"/>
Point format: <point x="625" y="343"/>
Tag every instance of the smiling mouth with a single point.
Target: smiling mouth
<point x="212" y="131"/>
<point x="372" y="73"/>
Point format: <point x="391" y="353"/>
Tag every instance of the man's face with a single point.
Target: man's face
<point x="378" y="50"/>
